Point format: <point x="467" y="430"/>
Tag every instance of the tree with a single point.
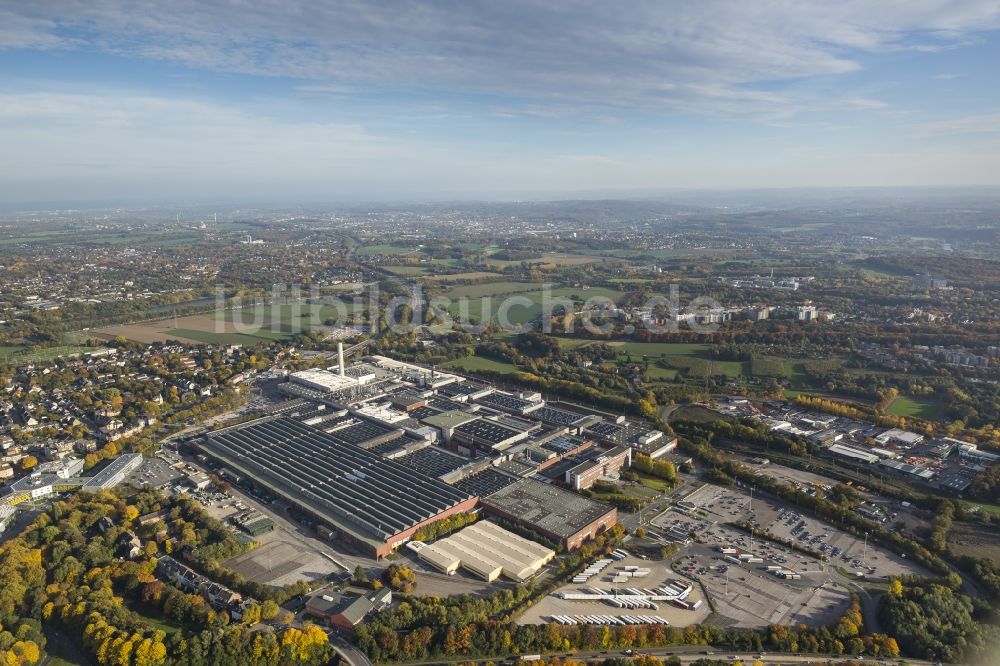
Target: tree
<point x="28" y="463"/>
<point x="269" y="610"/>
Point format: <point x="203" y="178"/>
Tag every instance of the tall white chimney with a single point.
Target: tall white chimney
<point x="340" y="358"/>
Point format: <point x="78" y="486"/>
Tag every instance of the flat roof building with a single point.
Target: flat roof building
<point x="487" y="550"/>
<point x="375" y="502"/>
<point x="486" y="436"/>
<point x="114" y="473"/>
<point x="560" y="515"/>
<point x="322" y="381"/>
<point x="583" y="475"/>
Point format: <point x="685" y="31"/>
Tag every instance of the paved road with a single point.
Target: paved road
<point x="688" y="654"/>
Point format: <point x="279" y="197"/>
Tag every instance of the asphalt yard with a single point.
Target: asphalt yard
<point x="155" y="472"/>
<point x="659" y="574"/>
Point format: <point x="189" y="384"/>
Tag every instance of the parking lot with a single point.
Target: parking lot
<point x="746" y="594"/>
<point x="155" y="472"/>
<point x="283" y="558"/>
<point x="842" y="549"/>
<point x="659" y="574"/>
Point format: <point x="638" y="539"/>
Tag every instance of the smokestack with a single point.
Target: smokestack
<point x="340" y="358"/>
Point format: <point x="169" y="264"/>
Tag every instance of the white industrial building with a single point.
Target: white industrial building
<point x="486" y="550"/>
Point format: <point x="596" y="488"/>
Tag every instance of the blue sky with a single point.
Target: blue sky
<point x="190" y="100"/>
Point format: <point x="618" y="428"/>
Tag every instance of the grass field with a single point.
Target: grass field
<point x="407" y="271"/>
<point x="249" y="326"/>
<point x="919" y="407"/>
<point x="472" y="275"/>
<point x="657" y="372"/>
<point x="696" y="413"/>
<point x="552" y="258"/>
<point x="287" y="317"/>
<point x="489" y="289"/>
<point x="369" y="250"/>
<point x="155" y="619"/>
<point x="215" y="338"/>
<point x="654" y="349"/>
<point x="25" y="354"/>
<point x="521" y="302"/>
<point x="476" y="363"/>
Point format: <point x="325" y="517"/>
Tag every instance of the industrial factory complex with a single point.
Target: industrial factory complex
<point x="375" y="451"/>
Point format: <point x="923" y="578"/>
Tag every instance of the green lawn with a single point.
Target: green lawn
<point x="652" y="349"/>
<point x="655" y="372"/>
<point x="489" y="289"/>
<point x="919" y="407"/>
<point x="476" y="363"/>
<point x="654" y="483"/>
<point x="25" y="354"/>
<point x="698" y="414"/>
<point x="288" y="317"/>
<point x="153" y="618"/>
<point x="520" y="301"/>
<point x="408" y="271"/>
<point x="387" y="249"/>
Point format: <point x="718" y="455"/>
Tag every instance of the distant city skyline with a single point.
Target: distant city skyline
<point x="314" y="101"/>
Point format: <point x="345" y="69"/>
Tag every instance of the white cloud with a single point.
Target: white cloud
<point x="706" y="57"/>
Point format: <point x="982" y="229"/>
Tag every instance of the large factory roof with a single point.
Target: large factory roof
<point x="485" y="482"/>
<point x="108" y="477"/>
<point x="508" y="403"/>
<point x="449" y="419"/>
<point x="547" y="507"/>
<point x="356" y="490"/>
<point x="433" y="461"/>
<point x="485" y="430"/>
<point x="323" y="380"/>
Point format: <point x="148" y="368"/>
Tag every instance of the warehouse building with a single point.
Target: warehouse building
<point x="485" y="436"/>
<point x="486" y="550"/>
<point x="114" y="473"/>
<point x="361" y="496"/>
<point x="510" y="403"/>
<point x="560" y="515"/>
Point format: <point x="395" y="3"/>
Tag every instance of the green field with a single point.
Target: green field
<point x="154" y="618"/>
<point x="220" y="338"/>
<point x="27" y="355"/>
<point x="368" y="250"/>
<point x="573" y="343"/>
<point x="477" y="363"/>
<point x="659" y="349"/>
<point x="557" y="258"/>
<point x="287" y="317"/>
<point x="920" y="407"/>
<point x="697" y="414"/>
<point x="659" y="373"/>
<point x="521" y="301"/>
<point x="407" y="271"/>
<point x="489" y="289"/>
<point x="769" y="367"/>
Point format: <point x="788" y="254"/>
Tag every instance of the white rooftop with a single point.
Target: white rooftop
<point x="323" y="380"/>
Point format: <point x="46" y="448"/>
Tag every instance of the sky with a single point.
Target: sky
<point x="284" y="100"/>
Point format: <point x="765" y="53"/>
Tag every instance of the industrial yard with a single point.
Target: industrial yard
<point x="555" y="605"/>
